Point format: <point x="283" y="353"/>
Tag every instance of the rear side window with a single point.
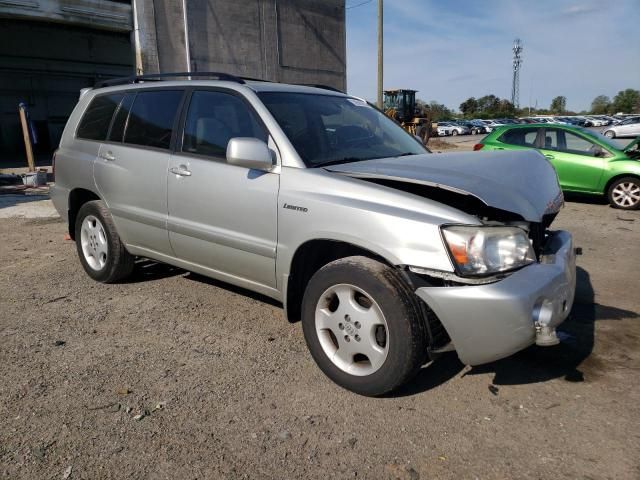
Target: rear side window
<point x="97" y="118"/>
<point x="524" y="137"/>
<point x="213" y="119"/>
<point x="151" y="118"/>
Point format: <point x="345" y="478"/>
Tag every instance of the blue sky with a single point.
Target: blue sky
<point x="451" y="50"/>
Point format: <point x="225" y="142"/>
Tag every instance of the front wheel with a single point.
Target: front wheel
<point x="100" y="249"/>
<point x="610" y="134"/>
<point x="624" y="193"/>
<point x="362" y="326"/>
<point x="454" y="133"/>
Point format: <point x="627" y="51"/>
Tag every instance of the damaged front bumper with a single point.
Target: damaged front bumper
<point x="492" y="321"/>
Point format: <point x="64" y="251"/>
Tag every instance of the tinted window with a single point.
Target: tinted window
<point x="524" y="137"/>
<point x="120" y="120"/>
<point x="151" y="118"/>
<point x="213" y="119"/>
<point x="97" y="118"/>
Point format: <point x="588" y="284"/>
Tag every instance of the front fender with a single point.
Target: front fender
<point x="403" y="229"/>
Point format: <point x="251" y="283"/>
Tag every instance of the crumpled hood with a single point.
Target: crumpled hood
<point x="522" y="182"/>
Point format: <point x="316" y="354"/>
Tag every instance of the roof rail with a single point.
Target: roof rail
<point x="162" y="76"/>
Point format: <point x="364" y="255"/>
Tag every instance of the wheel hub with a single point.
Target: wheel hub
<point x="626" y="194"/>
<point x="93" y="241"/>
<point x="352" y="329"/>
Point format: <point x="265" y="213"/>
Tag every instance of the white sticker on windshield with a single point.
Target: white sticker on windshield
<point x="357" y="102"/>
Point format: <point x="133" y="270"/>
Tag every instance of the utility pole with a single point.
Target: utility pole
<point x="380" y="54"/>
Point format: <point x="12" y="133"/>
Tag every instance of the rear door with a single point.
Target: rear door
<point x="574" y="158"/>
<point x="131" y="171"/>
<point x="222" y="217"/>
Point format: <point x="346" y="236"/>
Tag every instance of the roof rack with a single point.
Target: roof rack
<point x="152" y="77"/>
<point x="162" y="76"/>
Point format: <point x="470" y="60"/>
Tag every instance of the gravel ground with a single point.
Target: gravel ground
<point x="227" y="389"/>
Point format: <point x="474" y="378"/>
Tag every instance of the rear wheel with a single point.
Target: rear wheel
<point x="610" y="134"/>
<point x="100" y="249"/>
<point x="624" y="193"/>
<point x="362" y="326"/>
<point x="454" y="132"/>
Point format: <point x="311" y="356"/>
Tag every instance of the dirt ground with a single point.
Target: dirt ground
<point x="227" y="389"/>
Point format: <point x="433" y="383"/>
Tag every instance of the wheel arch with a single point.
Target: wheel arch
<point x="77" y="198"/>
<point x="310" y="257"/>
<point x="618" y="177"/>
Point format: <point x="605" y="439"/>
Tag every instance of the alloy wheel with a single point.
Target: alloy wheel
<point x="93" y="240"/>
<point x="626" y="194"/>
<point x="352" y="330"/>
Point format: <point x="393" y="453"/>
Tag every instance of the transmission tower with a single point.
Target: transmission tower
<point x="517" y="63"/>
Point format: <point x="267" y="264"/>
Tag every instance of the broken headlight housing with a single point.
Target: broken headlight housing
<point x="487" y="250"/>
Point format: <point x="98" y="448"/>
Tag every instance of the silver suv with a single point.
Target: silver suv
<point x="389" y="255"/>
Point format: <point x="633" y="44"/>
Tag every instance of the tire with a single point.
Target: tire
<point x="454" y="132"/>
<point x="610" y="134"/>
<point x="624" y="193"/>
<point x="102" y="253"/>
<point x="369" y="303"/>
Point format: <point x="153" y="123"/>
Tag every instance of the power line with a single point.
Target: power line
<point x="358" y="5"/>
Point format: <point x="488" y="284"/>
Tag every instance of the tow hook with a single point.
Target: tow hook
<point x="546" y="336"/>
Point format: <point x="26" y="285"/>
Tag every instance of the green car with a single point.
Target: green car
<point x="586" y="161"/>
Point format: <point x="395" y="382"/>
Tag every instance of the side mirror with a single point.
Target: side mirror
<point x="249" y="153"/>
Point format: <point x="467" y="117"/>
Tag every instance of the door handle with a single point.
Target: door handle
<point x="109" y="156"/>
<point x="182" y="170"/>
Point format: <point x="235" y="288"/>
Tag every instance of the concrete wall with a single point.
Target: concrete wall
<point x="294" y="41"/>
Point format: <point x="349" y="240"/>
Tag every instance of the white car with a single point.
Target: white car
<point x="597" y="122"/>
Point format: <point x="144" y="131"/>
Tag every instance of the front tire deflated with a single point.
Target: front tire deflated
<point x="362" y="325"/>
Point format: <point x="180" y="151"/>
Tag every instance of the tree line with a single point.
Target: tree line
<point x="491" y="106"/>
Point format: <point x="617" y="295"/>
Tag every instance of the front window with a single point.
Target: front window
<point x="564" y="141"/>
<point x="328" y="129"/>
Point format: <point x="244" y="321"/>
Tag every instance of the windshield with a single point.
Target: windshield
<point x="328" y="129"/>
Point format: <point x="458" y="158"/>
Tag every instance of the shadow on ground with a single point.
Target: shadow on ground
<point x="232" y="288"/>
<point x="148" y="271"/>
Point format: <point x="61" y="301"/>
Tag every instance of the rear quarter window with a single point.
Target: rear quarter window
<point x="524" y="137"/>
<point x="95" y="122"/>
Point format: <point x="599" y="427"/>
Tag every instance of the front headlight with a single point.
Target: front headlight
<point x="488" y="250"/>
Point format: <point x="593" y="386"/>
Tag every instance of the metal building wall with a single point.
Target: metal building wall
<point x="295" y="41"/>
<point x="46" y="65"/>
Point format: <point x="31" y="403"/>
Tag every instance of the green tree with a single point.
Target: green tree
<point x="601" y="105"/>
<point x="437" y="111"/>
<point x="558" y="105"/>
<point x="469" y="107"/>
<point x="627" y="101"/>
